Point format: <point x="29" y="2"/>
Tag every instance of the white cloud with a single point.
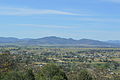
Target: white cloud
<point x="26" y="11"/>
<point x="97" y="19"/>
<point x="44" y="26"/>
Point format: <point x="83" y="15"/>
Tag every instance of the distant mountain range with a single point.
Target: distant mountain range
<point x="114" y="41"/>
<point x="53" y="40"/>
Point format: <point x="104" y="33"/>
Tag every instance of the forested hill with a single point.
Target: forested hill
<point x="53" y="40"/>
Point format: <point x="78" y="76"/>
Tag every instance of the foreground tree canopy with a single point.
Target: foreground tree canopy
<point x="51" y="72"/>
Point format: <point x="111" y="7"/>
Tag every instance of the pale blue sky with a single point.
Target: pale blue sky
<point x="92" y="19"/>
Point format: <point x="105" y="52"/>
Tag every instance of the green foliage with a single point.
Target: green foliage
<point x="85" y="75"/>
<point x="78" y="63"/>
<point x="17" y="75"/>
<point x="13" y="76"/>
<point x="6" y="61"/>
<point x="80" y="75"/>
<point x="29" y="75"/>
<point x="51" y="72"/>
<point x="109" y="65"/>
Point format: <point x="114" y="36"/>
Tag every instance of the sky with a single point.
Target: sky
<point x="77" y="19"/>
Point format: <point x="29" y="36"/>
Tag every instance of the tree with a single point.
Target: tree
<point x="80" y="75"/>
<point x="84" y="75"/>
<point x="29" y="75"/>
<point x="51" y="72"/>
<point x="13" y="76"/>
<point x="19" y="75"/>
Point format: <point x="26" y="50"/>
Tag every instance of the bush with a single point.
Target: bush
<point x="51" y="72"/>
